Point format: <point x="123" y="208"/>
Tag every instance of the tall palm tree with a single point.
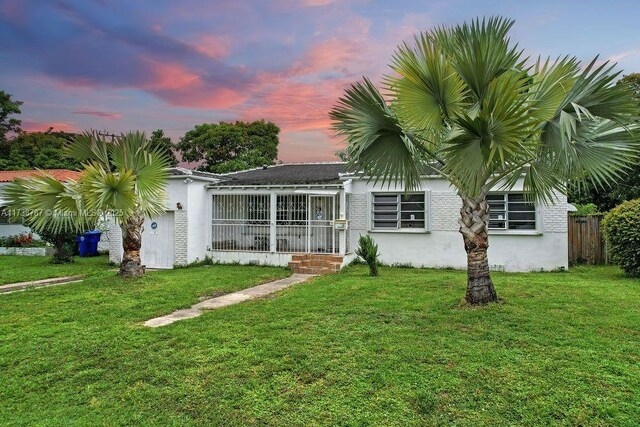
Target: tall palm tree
<point x="124" y="178"/>
<point x="465" y="103"/>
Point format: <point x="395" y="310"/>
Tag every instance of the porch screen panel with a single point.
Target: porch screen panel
<point x="292" y="223"/>
<point x="240" y="222"/>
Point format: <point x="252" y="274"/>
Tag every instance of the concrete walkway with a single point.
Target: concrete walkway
<point x="228" y="299"/>
<point x="12" y="287"/>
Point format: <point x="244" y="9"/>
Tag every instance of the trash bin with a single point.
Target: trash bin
<point x="82" y="245"/>
<point x="93" y="237"/>
<point x="88" y="243"/>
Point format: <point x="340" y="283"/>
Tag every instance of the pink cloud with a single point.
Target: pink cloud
<point x="169" y="76"/>
<point x="182" y="87"/>
<point x="99" y="114"/>
<point x="216" y="47"/>
<point x="316" y="3"/>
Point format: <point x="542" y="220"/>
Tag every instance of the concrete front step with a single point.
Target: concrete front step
<point x="316" y="263"/>
<point x="317" y="257"/>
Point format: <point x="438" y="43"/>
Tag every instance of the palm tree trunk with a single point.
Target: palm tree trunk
<point x="131" y="243"/>
<point x="473" y="227"/>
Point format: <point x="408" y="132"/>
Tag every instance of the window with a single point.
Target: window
<point x="4" y="215"/>
<point x="398" y="211"/>
<point x="510" y="211"/>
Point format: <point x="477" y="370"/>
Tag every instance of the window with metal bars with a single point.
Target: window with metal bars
<point x="510" y="211"/>
<point x="398" y="211"/>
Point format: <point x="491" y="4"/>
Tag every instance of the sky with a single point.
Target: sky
<point x="144" y="65"/>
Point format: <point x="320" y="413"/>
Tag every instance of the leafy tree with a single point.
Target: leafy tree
<point x="8" y="107"/>
<point x="632" y="81"/>
<point x="158" y="139"/>
<point x="42" y="150"/>
<point x="125" y="178"/>
<point x="606" y="197"/>
<point x="226" y="147"/>
<point x="463" y="102"/>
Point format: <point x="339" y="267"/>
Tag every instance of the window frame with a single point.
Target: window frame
<point x="507" y="212"/>
<point x="398" y="210"/>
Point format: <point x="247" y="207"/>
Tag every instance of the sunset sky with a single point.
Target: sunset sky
<point x="121" y="65"/>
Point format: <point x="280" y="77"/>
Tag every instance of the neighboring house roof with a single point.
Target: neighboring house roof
<point x="180" y="172"/>
<point x="287" y="174"/>
<point x="59" y="174"/>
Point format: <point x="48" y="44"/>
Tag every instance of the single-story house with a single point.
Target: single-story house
<point x="9" y="228"/>
<point x="294" y="212"/>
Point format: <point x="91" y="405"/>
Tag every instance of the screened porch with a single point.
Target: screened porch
<point x="272" y="222"/>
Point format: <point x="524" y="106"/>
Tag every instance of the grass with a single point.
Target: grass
<point x="344" y="349"/>
<point x="14" y="268"/>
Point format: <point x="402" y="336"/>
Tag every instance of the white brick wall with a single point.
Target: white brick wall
<point x="445" y="211"/>
<point x="554" y="217"/>
<point x="358" y="212"/>
<point x="180" y="237"/>
<point x="115" y="242"/>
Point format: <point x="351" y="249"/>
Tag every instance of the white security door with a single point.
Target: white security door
<point x="157" y="242"/>
<point x="321" y="216"/>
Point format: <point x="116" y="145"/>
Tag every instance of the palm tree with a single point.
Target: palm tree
<point x="124" y="179"/>
<point x="465" y="103"/>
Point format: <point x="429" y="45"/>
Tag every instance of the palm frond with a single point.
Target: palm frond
<point x="107" y="191"/>
<point x="480" y="51"/>
<point x="428" y="91"/>
<point x="45" y="203"/>
<point x="88" y="147"/>
<point x="377" y="144"/>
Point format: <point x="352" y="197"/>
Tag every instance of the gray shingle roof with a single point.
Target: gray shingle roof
<point x="287" y="174"/>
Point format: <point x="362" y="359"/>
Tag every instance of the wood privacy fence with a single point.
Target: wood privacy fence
<point x="586" y="240"/>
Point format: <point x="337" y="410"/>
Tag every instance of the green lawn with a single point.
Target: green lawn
<point x="15" y="268"/>
<point x="344" y="349"/>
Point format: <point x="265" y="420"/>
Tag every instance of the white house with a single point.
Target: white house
<point x="283" y="213"/>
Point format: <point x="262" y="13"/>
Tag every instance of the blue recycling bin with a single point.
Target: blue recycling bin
<point x="88" y="243"/>
<point x="82" y="245"/>
<point x="93" y="237"/>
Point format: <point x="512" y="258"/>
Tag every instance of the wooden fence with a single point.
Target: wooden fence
<point x="586" y="240"/>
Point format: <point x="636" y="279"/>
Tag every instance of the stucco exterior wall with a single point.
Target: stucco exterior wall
<point x="441" y="245"/>
<point x="199" y="220"/>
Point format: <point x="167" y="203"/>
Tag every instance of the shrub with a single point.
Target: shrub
<point x="587" y="209"/>
<point x="368" y="251"/>
<point x="622" y="231"/>
<point x="64" y="244"/>
<point x="23" y="240"/>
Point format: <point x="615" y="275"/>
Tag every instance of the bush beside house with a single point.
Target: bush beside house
<point x="622" y="231"/>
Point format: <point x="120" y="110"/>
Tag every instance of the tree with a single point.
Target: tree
<point x="41" y="150"/>
<point x="464" y="103"/>
<point x="609" y="196"/>
<point x="226" y="147"/>
<point x="8" y="107"/>
<point x="124" y="179"/>
<point x="158" y="139"/>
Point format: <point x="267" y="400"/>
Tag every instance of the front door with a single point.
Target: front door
<point x="321" y="216"/>
<point x="157" y="242"/>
